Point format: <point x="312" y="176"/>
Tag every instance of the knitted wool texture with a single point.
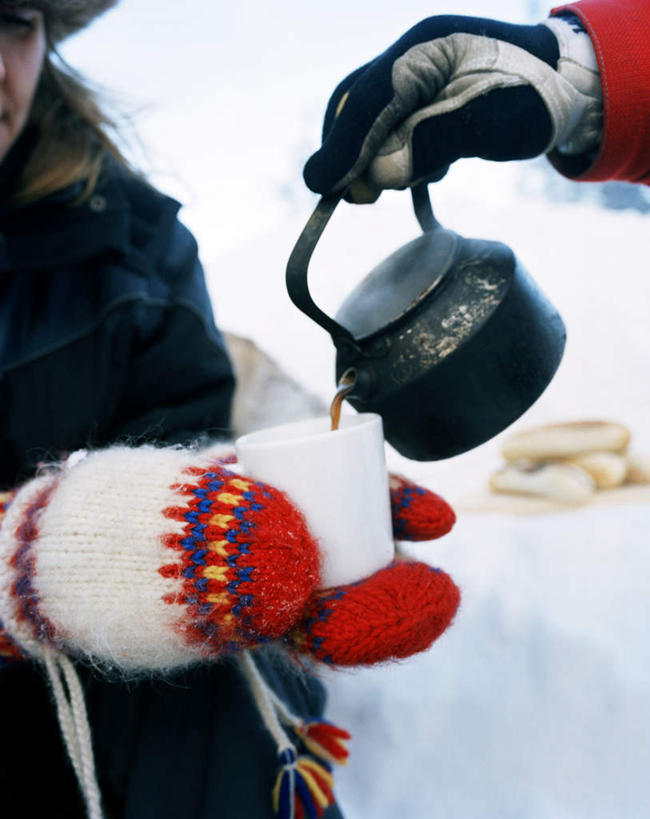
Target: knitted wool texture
<point x="397" y="612"/>
<point x="418" y="514"/>
<point x="150" y="559"/>
<point x="144" y="559"/>
<point x="9" y="650"/>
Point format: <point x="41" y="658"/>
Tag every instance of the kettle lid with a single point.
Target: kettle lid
<point x="399" y="283"/>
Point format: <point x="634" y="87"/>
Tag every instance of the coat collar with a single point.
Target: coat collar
<point x="57" y="231"/>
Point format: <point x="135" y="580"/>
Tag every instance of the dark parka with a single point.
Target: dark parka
<point x="106" y="334"/>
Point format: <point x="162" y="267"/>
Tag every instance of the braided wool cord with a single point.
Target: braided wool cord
<point x="265" y="701"/>
<point x="73" y="720"/>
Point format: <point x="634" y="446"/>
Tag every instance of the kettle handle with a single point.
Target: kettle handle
<point x="422" y="208"/>
<point x="298" y="264"/>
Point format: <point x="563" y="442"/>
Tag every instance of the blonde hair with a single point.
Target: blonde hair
<point x="74" y="135"/>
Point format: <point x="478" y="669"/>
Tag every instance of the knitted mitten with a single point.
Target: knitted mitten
<point x="149" y="558"/>
<point x="399" y="610"/>
<point x="9" y="649"/>
<point x="418" y="514"/>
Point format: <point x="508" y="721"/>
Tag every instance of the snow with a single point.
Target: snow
<point x="536" y="703"/>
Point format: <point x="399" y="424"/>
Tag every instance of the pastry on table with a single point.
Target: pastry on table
<point x="638" y="468"/>
<point x="607" y="469"/>
<point x="566" y="483"/>
<point x="568" y="440"/>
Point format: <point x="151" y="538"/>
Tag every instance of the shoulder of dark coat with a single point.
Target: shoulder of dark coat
<point x="151" y="227"/>
<point x="124" y="219"/>
<point x="158" y="251"/>
<point x="121" y="255"/>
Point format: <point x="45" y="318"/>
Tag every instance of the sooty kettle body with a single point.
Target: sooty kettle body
<point x="448" y="339"/>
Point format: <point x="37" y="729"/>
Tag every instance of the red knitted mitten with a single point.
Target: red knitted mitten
<point x="399" y="610"/>
<point x="418" y="514"/>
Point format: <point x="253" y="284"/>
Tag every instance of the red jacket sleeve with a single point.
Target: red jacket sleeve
<point x="620" y="32"/>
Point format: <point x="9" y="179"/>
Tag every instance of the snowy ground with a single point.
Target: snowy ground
<point x="536" y="704"/>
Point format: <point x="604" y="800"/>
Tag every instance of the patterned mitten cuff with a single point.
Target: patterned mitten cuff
<point x="9" y="649"/>
<point x="150" y="559"/>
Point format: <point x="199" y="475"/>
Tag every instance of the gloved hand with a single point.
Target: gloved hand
<point x="456" y="87"/>
<point x="150" y="559"/>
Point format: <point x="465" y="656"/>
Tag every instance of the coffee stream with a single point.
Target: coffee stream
<point x="345" y="387"/>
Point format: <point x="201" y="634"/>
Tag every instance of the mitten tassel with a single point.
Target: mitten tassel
<point x="324" y="740"/>
<point x="321" y="738"/>
<point x="303" y="788"/>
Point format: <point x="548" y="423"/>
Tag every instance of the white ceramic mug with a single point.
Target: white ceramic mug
<point x="338" y="480"/>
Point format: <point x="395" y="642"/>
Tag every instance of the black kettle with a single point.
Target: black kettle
<point x="448" y="339"/>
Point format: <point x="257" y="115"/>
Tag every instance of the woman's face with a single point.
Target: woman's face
<point x="22" y="51"/>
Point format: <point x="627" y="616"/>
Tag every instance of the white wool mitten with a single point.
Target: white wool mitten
<point x="150" y="559"/>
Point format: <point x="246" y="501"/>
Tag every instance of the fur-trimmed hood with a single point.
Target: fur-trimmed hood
<point x="64" y="17"/>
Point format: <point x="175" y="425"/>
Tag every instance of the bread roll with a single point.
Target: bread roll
<point x="561" y="441"/>
<point x="607" y="469"/>
<point x="638" y="468"/>
<point x="562" y="482"/>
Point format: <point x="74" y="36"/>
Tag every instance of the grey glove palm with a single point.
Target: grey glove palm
<point x="454" y="87"/>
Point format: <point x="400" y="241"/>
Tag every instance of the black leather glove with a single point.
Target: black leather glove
<point x="456" y="87"/>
